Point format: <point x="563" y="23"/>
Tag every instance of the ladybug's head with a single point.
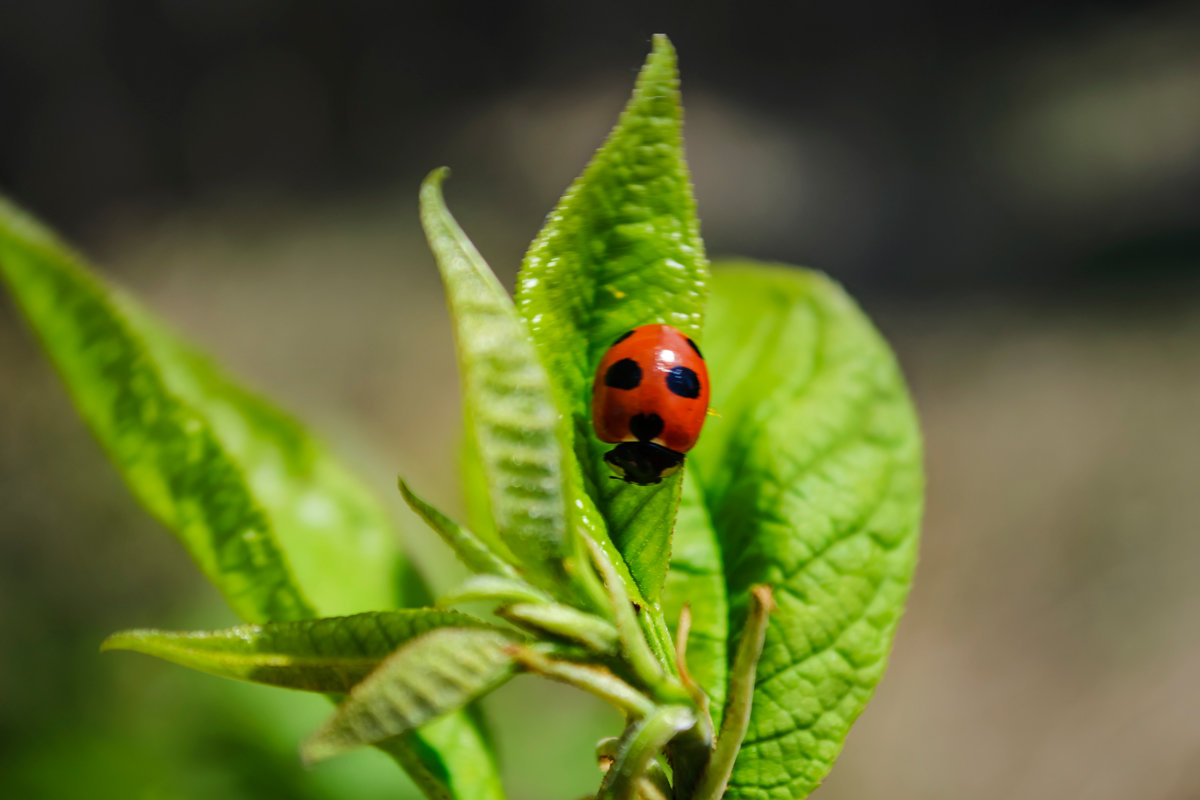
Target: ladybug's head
<point x="643" y="463"/>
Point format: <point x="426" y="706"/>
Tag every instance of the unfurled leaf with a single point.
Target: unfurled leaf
<point x="326" y="655"/>
<point x="431" y="675"/>
<point x="505" y="386"/>
<point x="280" y="528"/>
<point x="622" y="249"/>
<point x="812" y="478"/>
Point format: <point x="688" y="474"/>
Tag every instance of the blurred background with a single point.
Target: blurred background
<point x="1012" y="190"/>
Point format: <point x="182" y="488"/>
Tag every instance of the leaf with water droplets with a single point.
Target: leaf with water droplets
<point x="621" y="249"/>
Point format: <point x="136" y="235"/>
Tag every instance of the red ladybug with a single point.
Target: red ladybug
<point x="650" y="396"/>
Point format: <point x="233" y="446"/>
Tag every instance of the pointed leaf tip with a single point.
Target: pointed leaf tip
<point x="621" y="249"/>
<point x="521" y="439"/>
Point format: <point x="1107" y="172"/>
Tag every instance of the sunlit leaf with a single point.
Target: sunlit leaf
<point x="621" y="249"/>
<point x="515" y="420"/>
<point x="812" y="478"/>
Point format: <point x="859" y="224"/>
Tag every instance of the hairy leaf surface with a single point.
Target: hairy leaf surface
<point x="621" y="249"/>
<point x="328" y="655"/>
<point x="812" y="477"/>
<point x="433" y="674"/>
<point x="505" y="386"/>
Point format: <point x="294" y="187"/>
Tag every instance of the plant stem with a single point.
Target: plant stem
<point x="641" y="743"/>
<point x="594" y="680"/>
<point x="633" y="641"/>
<point x="716" y="775"/>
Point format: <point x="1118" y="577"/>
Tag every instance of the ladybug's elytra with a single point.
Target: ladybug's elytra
<point x="650" y="398"/>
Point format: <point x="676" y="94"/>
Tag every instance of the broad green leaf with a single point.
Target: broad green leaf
<point x="281" y="529"/>
<point x="812" y="477"/>
<point x="515" y="421"/>
<point x="435" y="673"/>
<point x="697" y="579"/>
<point x="328" y="655"/>
<point x="621" y="249"/>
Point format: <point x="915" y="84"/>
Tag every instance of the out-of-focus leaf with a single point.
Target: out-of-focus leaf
<point x="433" y="674"/>
<point x="340" y="542"/>
<point x="169" y="452"/>
<point x="812" y="478"/>
<point x="326" y="655"/>
<point x="508" y="393"/>
<point x="621" y="249"/>
<point x="281" y="529"/>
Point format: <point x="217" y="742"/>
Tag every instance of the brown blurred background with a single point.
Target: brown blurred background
<point x="1012" y="191"/>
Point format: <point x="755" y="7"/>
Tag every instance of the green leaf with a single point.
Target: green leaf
<point x="281" y="529"/>
<point x="812" y="477"/>
<point x="697" y="578"/>
<point x="472" y="551"/>
<point x="507" y="390"/>
<point x="339" y="541"/>
<point x="170" y="454"/>
<point x="621" y="249"/>
<point x="433" y="674"/>
<point x="328" y="655"/>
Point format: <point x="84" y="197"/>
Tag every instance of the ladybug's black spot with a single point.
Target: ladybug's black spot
<point x="625" y="374"/>
<point x="645" y="426"/>
<point x="623" y="337"/>
<point x="683" y="382"/>
<point x="695" y="346"/>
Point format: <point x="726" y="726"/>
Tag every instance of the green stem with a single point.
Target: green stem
<point x="634" y="647"/>
<point x="594" y="680"/>
<point x="715" y="779"/>
<point x="642" y="742"/>
<point x="591" y="631"/>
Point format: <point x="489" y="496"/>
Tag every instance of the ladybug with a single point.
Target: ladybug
<point x="650" y="398"/>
